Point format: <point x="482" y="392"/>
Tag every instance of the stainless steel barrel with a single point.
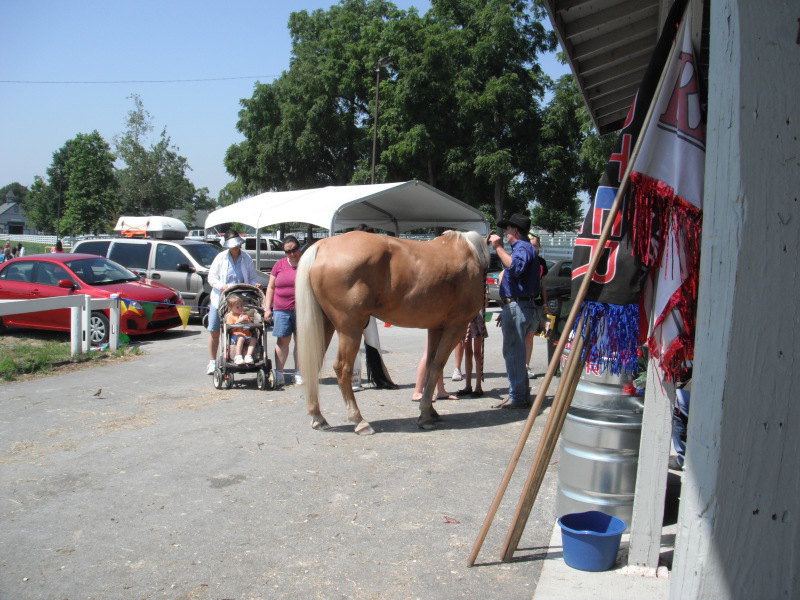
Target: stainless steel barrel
<point x="600" y="447"/>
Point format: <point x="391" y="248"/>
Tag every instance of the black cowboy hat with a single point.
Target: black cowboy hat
<point x="519" y="221"/>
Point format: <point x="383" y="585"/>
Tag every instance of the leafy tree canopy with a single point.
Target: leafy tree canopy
<point x="80" y="194"/>
<point x="459" y="100"/>
<point x="153" y="179"/>
<point x="19" y="191"/>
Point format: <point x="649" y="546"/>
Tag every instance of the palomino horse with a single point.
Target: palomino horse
<point x="342" y="280"/>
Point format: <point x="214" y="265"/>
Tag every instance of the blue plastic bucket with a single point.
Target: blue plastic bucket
<point x="590" y="540"/>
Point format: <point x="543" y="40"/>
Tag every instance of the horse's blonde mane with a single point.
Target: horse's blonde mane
<point x="477" y="244"/>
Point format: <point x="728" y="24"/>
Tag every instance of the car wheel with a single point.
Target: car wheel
<point x="204" y="311"/>
<point x="98" y="328"/>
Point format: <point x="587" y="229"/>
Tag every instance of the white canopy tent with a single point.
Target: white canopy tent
<point x="396" y="207"/>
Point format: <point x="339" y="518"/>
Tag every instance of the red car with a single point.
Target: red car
<point x="53" y="275"/>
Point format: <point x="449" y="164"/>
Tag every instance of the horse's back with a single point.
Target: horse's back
<point x="405" y="282"/>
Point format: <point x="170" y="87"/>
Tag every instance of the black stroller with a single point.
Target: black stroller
<point x="253" y="300"/>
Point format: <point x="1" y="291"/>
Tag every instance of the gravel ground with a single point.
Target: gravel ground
<point x="163" y="487"/>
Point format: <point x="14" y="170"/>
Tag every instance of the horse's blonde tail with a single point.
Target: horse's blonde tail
<point x="310" y="330"/>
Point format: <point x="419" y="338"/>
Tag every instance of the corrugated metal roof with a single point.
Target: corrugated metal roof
<point x="608" y="44"/>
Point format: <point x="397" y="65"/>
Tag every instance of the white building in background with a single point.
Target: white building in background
<point x="12" y="217"/>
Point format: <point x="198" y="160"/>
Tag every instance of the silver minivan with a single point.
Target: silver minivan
<point x="181" y="264"/>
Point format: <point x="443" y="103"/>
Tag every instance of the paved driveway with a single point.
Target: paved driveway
<point x="163" y="487"/>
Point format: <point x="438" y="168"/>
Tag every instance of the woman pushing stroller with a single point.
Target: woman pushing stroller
<point x="230" y="267"/>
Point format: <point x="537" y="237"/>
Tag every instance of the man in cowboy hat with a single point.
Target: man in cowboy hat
<point x="518" y="288"/>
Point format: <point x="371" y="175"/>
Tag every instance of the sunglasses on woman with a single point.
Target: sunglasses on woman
<point x="291" y="250"/>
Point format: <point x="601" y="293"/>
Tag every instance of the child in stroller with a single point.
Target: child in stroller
<point x="240" y="335"/>
<point x="241" y="310"/>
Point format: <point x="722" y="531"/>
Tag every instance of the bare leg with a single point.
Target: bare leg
<point x="528" y="347"/>
<point x="468" y="355"/>
<point x="213" y="344"/>
<point x="281" y="351"/>
<point x="251" y="346"/>
<point x="441" y="392"/>
<point x="239" y="346"/>
<point x="478" y="354"/>
<point x="459" y="355"/>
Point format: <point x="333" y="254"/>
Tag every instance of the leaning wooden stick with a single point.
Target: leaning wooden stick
<point x="579" y="298"/>
<point x="547" y="444"/>
<point x="523" y="437"/>
<point x="533" y="484"/>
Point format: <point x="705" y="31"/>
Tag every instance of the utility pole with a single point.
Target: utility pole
<point x="382" y="62"/>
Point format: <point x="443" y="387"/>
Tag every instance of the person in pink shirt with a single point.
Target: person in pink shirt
<point x="279" y="304"/>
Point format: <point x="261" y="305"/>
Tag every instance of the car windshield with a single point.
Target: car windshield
<point x="100" y="271"/>
<point x="203" y="253"/>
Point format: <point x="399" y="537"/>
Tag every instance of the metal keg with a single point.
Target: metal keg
<point x="600" y="446"/>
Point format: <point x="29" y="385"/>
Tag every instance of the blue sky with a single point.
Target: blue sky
<point x="236" y="43"/>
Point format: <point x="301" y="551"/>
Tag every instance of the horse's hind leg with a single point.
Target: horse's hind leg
<point x="440" y="345"/>
<point x="312" y="400"/>
<point x="349" y="343"/>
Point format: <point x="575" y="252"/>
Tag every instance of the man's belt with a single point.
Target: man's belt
<point x="517" y="299"/>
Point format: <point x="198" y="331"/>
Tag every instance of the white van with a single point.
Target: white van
<point x="181" y="264"/>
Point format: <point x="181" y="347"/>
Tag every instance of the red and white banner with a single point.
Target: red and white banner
<point x="667" y="196"/>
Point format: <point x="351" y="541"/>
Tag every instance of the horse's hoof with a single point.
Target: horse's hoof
<point x="427" y="424"/>
<point x="364" y="428"/>
<point x="319" y="424"/>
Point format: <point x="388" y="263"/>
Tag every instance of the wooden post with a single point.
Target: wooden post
<point x="651" y="474"/>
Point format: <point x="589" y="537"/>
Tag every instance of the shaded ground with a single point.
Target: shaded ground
<point x="163" y="487"/>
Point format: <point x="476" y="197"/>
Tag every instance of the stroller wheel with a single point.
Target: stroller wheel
<point x="218" y="379"/>
<point x="262" y="380"/>
<point x="227" y="382"/>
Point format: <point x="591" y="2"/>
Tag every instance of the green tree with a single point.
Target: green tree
<point x="42" y="206"/>
<point x="498" y="85"/>
<point x="573" y="157"/>
<point x="153" y="179"/>
<point x="459" y="101"/>
<point x="79" y="195"/>
<point x="556" y="187"/>
<point x="91" y="187"/>
<point x="310" y="127"/>
<point x="19" y="190"/>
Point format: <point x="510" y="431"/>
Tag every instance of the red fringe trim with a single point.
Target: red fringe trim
<point x="656" y="212"/>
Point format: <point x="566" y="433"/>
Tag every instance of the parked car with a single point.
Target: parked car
<point x="54" y="275"/>
<point x="493" y="277"/>
<point x="179" y="264"/>
<point x="558" y="281"/>
<point x="271" y="251"/>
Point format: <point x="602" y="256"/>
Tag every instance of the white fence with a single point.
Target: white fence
<point x="47" y="240"/>
<point x="81" y="307"/>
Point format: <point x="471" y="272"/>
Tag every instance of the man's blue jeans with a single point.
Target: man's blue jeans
<point x="517" y="319"/>
<point x="680" y="421"/>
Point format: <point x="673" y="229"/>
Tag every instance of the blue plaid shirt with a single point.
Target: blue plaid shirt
<point x="521" y="279"/>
